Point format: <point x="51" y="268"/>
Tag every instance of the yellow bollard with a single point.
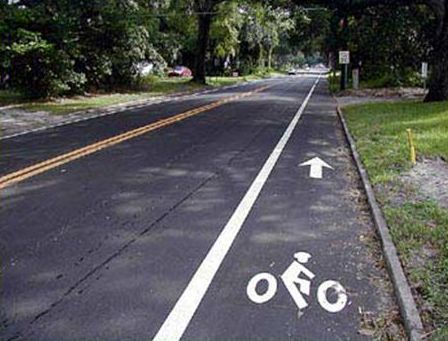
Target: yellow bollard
<point x="411" y="147"/>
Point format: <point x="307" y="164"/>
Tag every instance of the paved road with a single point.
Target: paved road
<point x="159" y="236"/>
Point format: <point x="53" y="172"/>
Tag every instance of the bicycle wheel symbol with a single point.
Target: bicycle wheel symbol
<point x="251" y="289"/>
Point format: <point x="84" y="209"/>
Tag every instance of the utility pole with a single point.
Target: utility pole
<point x="345" y="37"/>
<point x="344" y="66"/>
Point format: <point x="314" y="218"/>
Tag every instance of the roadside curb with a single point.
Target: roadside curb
<point x="90" y="114"/>
<point x="408" y="309"/>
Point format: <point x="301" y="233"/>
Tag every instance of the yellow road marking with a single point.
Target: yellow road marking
<point x="41" y="167"/>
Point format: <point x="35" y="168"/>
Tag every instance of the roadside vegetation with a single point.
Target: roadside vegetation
<point x="418" y="223"/>
<point x="63" y="48"/>
<point x="151" y="87"/>
<point x="148" y="88"/>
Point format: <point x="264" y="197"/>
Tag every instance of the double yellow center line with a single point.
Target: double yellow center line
<point x="41" y="167"/>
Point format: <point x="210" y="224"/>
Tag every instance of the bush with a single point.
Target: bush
<point x="39" y="69"/>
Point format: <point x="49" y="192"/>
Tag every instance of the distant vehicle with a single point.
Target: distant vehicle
<point x="292" y="72"/>
<point x="180" y="71"/>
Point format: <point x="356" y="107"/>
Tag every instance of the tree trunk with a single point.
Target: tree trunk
<point x="438" y="82"/>
<point x="260" y="56"/>
<point x="270" y="58"/>
<point x="204" y="22"/>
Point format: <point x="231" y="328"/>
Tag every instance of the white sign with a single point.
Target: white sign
<point x="424" y="70"/>
<point x="344" y="57"/>
<point x="316" y="165"/>
<point x="297" y="280"/>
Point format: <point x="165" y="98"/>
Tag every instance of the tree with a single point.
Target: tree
<point x="225" y="30"/>
<point x="264" y="29"/>
<point x="391" y="42"/>
<point x="38" y="47"/>
<point x="277" y="25"/>
<point x="177" y="33"/>
<point x="438" y="82"/>
<point x="58" y="47"/>
<point x="205" y="12"/>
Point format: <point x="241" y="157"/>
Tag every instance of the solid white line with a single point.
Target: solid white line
<point x="177" y="321"/>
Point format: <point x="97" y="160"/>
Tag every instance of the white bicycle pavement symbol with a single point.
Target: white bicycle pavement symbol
<point x="297" y="280"/>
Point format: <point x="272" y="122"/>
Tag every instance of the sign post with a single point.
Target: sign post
<point x="344" y="60"/>
<point x="355" y="78"/>
<point x="424" y="73"/>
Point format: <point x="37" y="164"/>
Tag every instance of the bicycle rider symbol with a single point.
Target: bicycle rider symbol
<point x="297" y="280"/>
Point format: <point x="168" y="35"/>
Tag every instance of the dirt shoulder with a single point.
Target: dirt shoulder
<point x="363" y="96"/>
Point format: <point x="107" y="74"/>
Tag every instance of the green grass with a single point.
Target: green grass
<point x="223" y="81"/>
<point x="380" y="131"/>
<point x="79" y="103"/>
<point x="419" y="227"/>
<point x="334" y="81"/>
<point x="8" y="97"/>
<point x="152" y="87"/>
<point x="386" y="81"/>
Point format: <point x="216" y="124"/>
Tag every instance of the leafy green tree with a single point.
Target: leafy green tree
<point x="277" y="25"/>
<point x="56" y="47"/>
<point x="38" y="64"/>
<point x="177" y="32"/>
<point x="225" y="29"/>
<point x="264" y="29"/>
<point x="438" y="83"/>
<point x="113" y="37"/>
<point x="390" y="41"/>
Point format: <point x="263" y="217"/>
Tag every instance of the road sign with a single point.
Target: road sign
<point x="344" y="57"/>
<point x="424" y="70"/>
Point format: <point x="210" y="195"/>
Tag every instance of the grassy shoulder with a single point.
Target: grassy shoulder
<point x="419" y="226"/>
<point x="386" y="81"/>
<point x="153" y="87"/>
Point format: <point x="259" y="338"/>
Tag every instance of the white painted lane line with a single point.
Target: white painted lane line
<point x="177" y="321"/>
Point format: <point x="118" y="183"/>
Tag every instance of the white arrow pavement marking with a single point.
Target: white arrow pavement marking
<point x="316" y="165"/>
<point x="177" y="321"/>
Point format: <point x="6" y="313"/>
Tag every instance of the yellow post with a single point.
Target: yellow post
<point x="411" y="147"/>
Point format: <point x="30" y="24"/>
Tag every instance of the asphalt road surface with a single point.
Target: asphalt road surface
<point x="204" y="228"/>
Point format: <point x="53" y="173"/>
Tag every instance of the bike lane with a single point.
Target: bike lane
<point x="322" y="219"/>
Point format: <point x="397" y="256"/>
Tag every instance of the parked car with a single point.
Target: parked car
<point x="180" y="71"/>
<point x="292" y="72"/>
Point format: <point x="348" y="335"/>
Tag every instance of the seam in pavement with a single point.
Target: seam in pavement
<point x="408" y="309"/>
<point x="132" y="105"/>
<point x="73" y="287"/>
<point x="114" y="255"/>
